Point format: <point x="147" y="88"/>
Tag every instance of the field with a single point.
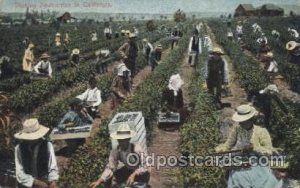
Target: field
<point x="205" y="126"/>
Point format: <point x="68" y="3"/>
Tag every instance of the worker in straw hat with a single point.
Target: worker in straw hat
<point x="28" y="58"/>
<point x="250" y="140"/>
<point x="263" y="98"/>
<point x="34" y="157"/>
<point x="294" y="51"/>
<point x="132" y="155"/>
<point x="75" y="57"/>
<point x="271" y="65"/>
<point x="57" y="39"/>
<point x="43" y="67"/>
<point x="216" y="74"/>
<point x="102" y="54"/>
<point x="121" y="86"/>
<point x="147" y="48"/>
<point x="129" y="51"/>
<point x="155" y="56"/>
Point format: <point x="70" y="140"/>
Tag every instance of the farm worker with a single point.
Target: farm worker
<point x="262" y="99"/>
<point x="147" y="48"/>
<point x="26" y="42"/>
<point x="123" y="32"/>
<point x="172" y="97"/>
<point x="100" y="55"/>
<point x="28" y="58"/>
<point x="127" y="32"/>
<point x="207" y="43"/>
<point x="229" y="31"/>
<point x="77" y="116"/>
<point x="135" y="31"/>
<point x="57" y="39"/>
<point x="256" y="28"/>
<point x="263" y="50"/>
<point x="127" y="153"/>
<point x="94" y="36"/>
<point x="263" y="38"/>
<point x="294" y="33"/>
<point x="67" y="38"/>
<point x="121" y="86"/>
<point x="194" y="48"/>
<point x="199" y="27"/>
<point x="44" y="66"/>
<point x="107" y="32"/>
<point x="5" y="67"/>
<point x="251" y="140"/>
<point x="239" y="29"/>
<point x="91" y="97"/>
<point x="129" y="51"/>
<point x="34" y="157"/>
<point x="174" y="37"/>
<point x="117" y="34"/>
<point x="275" y="34"/>
<point x="155" y="56"/>
<point x="294" y="51"/>
<point x="216" y="74"/>
<point x="74" y="58"/>
<point x="272" y="65"/>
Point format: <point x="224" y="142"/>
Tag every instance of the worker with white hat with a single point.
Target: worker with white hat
<point x="74" y="58"/>
<point x="129" y="51"/>
<point x="294" y="51"/>
<point x="57" y="39"/>
<point x="263" y="98"/>
<point x="121" y="86"/>
<point x="155" y="56"/>
<point x="250" y="140"/>
<point x="132" y="155"/>
<point x="216" y="74"/>
<point x="271" y="64"/>
<point x="43" y="67"/>
<point x="35" y="160"/>
<point x="147" y="48"/>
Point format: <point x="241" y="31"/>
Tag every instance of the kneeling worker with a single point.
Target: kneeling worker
<point x="137" y="172"/>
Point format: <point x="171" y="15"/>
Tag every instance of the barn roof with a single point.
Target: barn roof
<point x="247" y="7"/>
<point x="270" y="7"/>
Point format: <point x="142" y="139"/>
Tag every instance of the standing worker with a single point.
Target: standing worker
<point x="147" y="48"/>
<point x="216" y="74"/>
<point x="155" y="56"/>
<point x="129" y="51"/>
<point x="57" y="39"/>
<point x="194" y="48"/>
<point x="28" y="58"/>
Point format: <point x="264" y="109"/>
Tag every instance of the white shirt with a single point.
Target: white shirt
<point x="207" y="43"/>
<point x="273" y="67"/>
<point x="91" y="96"/>
<point x="107" y="30"/>
<point x="94" y="37"/>
<point x="294" y="33"/>
<point x="239" y="29"/>
<point x="46" y="65"/>
<point x="199" y="43"/>
<point x="27" y="179"/>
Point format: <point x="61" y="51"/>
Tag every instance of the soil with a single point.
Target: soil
<point x="165" y="142"/>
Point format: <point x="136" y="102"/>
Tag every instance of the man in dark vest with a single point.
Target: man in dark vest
<point x="194" y="48"/>
<point x="34" y="157"/>
<point x="216" y="74"/>
<point x="129" y="51"/>
<point x="174" y="37"/>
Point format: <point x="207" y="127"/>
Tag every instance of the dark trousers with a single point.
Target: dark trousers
<point x="174" y="43"/>
<point x="130" y="64"/>
<point x="196" y="58"/>
<point x="92" y="113"/>
<point x="101" y="68"/>
<point x="215" y="88"/>
<point x="122" y="174"/>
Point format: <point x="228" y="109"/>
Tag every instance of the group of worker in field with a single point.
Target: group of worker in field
<point x="36" y="164"/>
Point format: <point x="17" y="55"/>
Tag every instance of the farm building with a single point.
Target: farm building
<point x="66" y="18"/>
<point x="269" y="10"/>
<point x="244" y="10"/>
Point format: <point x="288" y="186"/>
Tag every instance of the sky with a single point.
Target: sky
<point x="132" y="6"/>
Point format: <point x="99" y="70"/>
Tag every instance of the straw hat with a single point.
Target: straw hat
<point x="76" y="51"/>
<point x="244" y="113"/>
<point x="30" y="45"/>
<point x="175" y="82"/>
<point x="270" y="88"/>
<point x="58" y="34"/>
<point x="44" y="55"/>
<point x="127" y="31"/>
<point x="159" y="46"/>
<point x="123" y="132"/>
<point x="32" y="130"/>
<point x="217" y="50"/>
<point x="291" y="45"/>
<point x="269" y="54"/>
<point x="145" y="40"/>
<point x="123" y="31"/>
<point x="132" y="35"/>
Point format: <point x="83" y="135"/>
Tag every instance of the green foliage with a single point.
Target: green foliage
<point x="179" y="16"/>
<point x="150" y="25"/>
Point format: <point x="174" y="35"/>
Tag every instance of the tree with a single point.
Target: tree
<point x="161" y="17"/>
<point x="292" y="14"/>
<point x="124" y="18"/>
<point x="150" y="25"/>
<point x="194" y="16"/>
<point x="179" y="16"/>
<point x="111" y="18"/>
<point x="142" y="17"/>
